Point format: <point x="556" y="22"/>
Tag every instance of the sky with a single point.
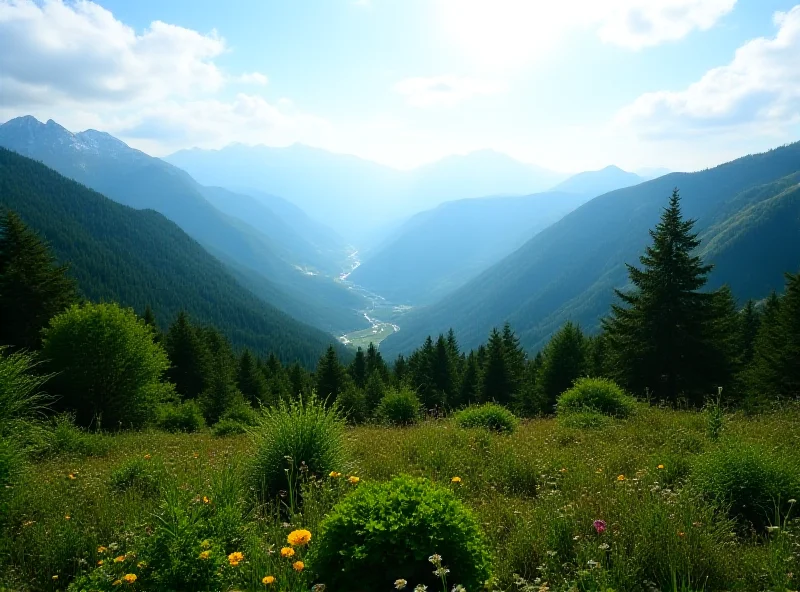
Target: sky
<point x="570" y="85"/>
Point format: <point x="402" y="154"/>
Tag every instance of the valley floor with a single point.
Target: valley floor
<point x="537" y="494"/>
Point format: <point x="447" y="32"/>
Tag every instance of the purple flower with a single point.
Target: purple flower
<point x="599" y="526"/>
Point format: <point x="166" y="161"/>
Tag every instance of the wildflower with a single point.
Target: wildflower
<point x="552" y="553"/>
<point x="604" y="547"/>
<point x="455" y="479"/>
<point x="116" y="582"/>
<point x="459" y="588"/>
<point x="592" y="563"/>
<point x="129" y="578"/>
<point x="55" y="577"/>
<point x="67" y="517"/>
<point x="353" y="479"/>
<point x="235" y="558"/>
<point x="28" y="523"/>
<point x="620" y="477"/>
<point x="681" y="534"/>
<point x="204" y="555"/>
<point x="119" y="558"/>
<point x="599" y="526"/>
<point x="600" y="470"/>
<point x="141" y="565"/>
<point x="206" y="500"/>
<point x="400" y="584"/>
<point x="298" y="538"/>
<point x="318" y="588"/>
<point x="792" y="501"/>
<point x="563" y="470"/>
<point x="268" y="580"/>
<point x="147" y="457"/>
<point x="298" y="566"/>
<point x="71" y="477"/>
<point x="440" y="572"/>
<point x="436" y="559"/>
<point x="659" y="467"/>
<point x="773" y="528"/>
<point x="100" y="562"/>
<point x="101" y="549"/>
<point x="206" y="544"/>
<point x="420" y="588"/>
<point x="287" y="552"/>
<point x="334" y="475"/>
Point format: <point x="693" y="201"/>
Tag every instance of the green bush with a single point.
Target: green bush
<point x="400" y="407"/>
<point x="236" y="420"/>
<point x="752" y="484"/>
<point x="180" y="417"/>
<point x="143" y="475"/>
<point x="490" y="416"/>
<point x="108" y="366"/>
<point x="383" y="532"/>
<point x="228" y="427"/>
<point x="66" y="437"/>
<point x="353" y="403"/>
<point x="597" y="395"/>
<point x="290" y="434"/>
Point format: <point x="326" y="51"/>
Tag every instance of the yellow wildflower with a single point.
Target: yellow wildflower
<point x="268" y="580"/>
<point x="660" y="467"/>
<point x="141" y="565"/>
<point x="298" y="565"/>
<point x="129" y="578"/>
<point x="353" y="479"/>
<point x="206" y="500"/>
<point x="455" y="479"/>
<point x="204" y="555"/>
<point x="67" y="516"/>
<point x="101" y="549"/>
<point x="71" y="476"/>
<point x="298" y="538"/>
<point x="119" y="559"/>
<point x="235" y="558"/>
<point x="101" y="562"/>
<point x="147" y="457"/>
<point x="116" y="582"/>
<point x="334" y="474"/>
<point x="287" y="552"/>
<point x="563" y="470"/>
<point x="55" y="577"/>
<point x="620" y="477"/>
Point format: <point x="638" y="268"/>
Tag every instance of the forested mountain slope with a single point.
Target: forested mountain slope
<point x="746" y="213"/>
<point x="439" y="250"/>
<point x="140" y="258"/>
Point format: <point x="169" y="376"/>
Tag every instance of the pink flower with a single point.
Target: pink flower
<point x="599" y="526"/>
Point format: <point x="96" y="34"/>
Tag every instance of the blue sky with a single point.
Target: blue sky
<point x="570" y="85"/>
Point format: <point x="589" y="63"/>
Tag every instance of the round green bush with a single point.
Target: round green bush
<point x="490" y="416"/>
<point x="598" y="395"/>
<point x="383" y="532"/>
<point x="180" y="417"/>
<point x="400" y="407"/>
<point x="353" y="403"/>
<point x="228" y="427"/>
<point x="289" y="435"/>
<point x="752" y="484"/>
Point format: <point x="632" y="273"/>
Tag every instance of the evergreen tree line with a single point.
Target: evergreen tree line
<point x="665" y="340"/>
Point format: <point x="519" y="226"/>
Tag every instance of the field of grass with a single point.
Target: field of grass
<point x="539" y="495"/>
<point x="364" y="337"/>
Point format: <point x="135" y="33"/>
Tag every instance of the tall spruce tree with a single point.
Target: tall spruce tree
<point x="220" y="393"/>
<point x="749" y="321"/>
<point x="33" y="288"/>
<point x="516" y="357"/>
<point x="330" y="377"/>
<point x="662" y="334"/>
<point x="375" y="362"/>
<point x="358" y="369"/>
<point x="400" y="370"/>
<point x="498" y="381"/>
<point x="190" y="360"/>
<point x="563" y="360"/>
<point x="469" y="389"/>
<point x="443" y="371"/>
<point x="250" y="380"/>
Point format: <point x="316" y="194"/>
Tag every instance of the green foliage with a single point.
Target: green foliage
<point x="220" y="392"/>
<point x="331" y="377"/>
<point x="302" y="431"/>
<point x="189" y="357"/>
<point x="387" y="531"/>
<point x="400" y="407"/>
<point x="563" y="361"/>
<point x="583" y="420"/>
<point x="20" y="397"/>
<point x="489" y="416"/>
<point x="108" y="366"/>
<point x="32" y="287"/>
<point x="143" y="475"/>
<point x="353" y="403"/>
<point x="597" y="395"/>
<point x="180" y="417"/>
<point x="236" y="420"/>
<point x="11" y="463"/>
<point x="67" y="438"/>
<point x="752" y="484"/>
<point x="250" y="380"/>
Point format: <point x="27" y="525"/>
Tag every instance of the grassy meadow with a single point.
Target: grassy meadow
<point x="563" y="505"/>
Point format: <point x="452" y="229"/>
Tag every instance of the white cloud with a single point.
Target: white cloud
<point x="502" y="33"/>
<point x="445" y="90"/>
<point x="255" y="78"/>
<point x="757" y="92"/>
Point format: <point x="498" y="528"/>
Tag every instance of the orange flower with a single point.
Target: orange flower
<point x="101" y="549"/>
<point x="101" y="562"/>
<point x="334" y="474"/>
<point x="235" y="558"/>
<point x="129" y="578"/>
<point x="71" y="476"/>
<point x="298" y="538"/>
<point x="119" y="559"/>
<point x="287" y="552"/>
<point x="298" y="565"/>
<point x="268" y="580"/>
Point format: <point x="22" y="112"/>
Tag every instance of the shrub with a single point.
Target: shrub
<point x="383" y="532"/>
<point x="20" y="398"/>
<point x="242" y="413"/>
<point x="144" y="475"/>
<point x="66" y="437"/>
<point x="490" y="416"/>
<point x="752" y="484"/>
<point x="180" y="417"/>
<point x="400" y="407"/>
<point x="228" y="427"/>
<point x="108" y="365"/>
<point x="598" y="395"/>
<point x="353" y="403"/>
<point x="304" y="431"/>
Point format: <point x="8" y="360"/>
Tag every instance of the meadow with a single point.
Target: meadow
<point x="562" y="503"/>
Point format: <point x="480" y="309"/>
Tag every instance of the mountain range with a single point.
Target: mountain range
<point x="747" y="213"/>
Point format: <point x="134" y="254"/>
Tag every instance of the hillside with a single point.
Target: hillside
<point x="599" y="182"/>
<point x="439" y="250"/>
<point x="746" y="214"/>
<point x="140" y="258"/>
<point x="133" y="178"/>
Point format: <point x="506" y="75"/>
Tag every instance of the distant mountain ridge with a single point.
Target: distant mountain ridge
<point x="596" y="183"/>
<point x="747" y="213"/>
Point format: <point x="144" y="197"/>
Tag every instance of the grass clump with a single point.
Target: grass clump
<point x="141" y="474"/>
<point x="584" y="420"/>
<point x="180" y="417"/>
<point x="299" y="438"/>
<point x="753" y="485"/>
<point x="489" y="416"/>
<point x="596" y="395"/>
<point x="400" y="407"/>
<point x="384" y="532"/>
<point x="236" y="420"/>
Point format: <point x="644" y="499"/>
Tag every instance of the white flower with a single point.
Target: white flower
<point x="605" y="546"/>
<point x="435" y="559"/>
<point x="440" y="572"/>
<point x="459" y="588"/>
<point x="400" y="584"/>
<point x="592" y="563"/>
<point x="420" y="588"/>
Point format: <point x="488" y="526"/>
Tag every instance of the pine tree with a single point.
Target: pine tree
<point x="279" y="383"/>
<point x="662" y="335"/>
<point x="789" y="358"/>
<point x="749" y="321"/>
<point x="563" y="360"/>
<point x="443" y="372"/>
<point x="220" y="393"/>
<point x="420" y="366"/>
<point x="469" y="389"/>
<point x="374" y="362"/>
<point x="597" y="355"/>
<point x="250" y="380"/>
<point x="190" y="360"/>
<point x="358" y="369"/>
<point x="300" y="381"/>
<point x="330" y="377"/>
<point x="33" y="288"/>
<point x="149" y="319"/>
<point x="762" y="375"/>
<point x="516" y="357"/>
<point x="498" y="382"/>
<point x="374" y="391"/>
<point x="400" y="370"/>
